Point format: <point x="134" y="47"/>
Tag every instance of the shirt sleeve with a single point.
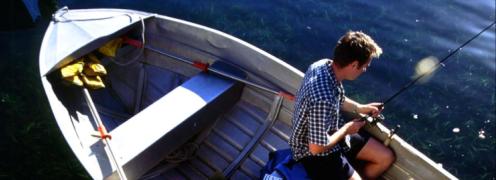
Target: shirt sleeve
<point x="321" y="119"/>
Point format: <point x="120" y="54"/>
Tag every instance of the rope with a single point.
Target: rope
<point x="186" y="152"/>
<point x="141" y="50"/>
<point x="61" y="12"/>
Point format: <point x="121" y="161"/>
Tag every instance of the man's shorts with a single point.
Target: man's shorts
<point x="336" y="165"/>
<point x="356" y="143"/>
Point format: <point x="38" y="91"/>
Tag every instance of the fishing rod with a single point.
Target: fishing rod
<point x="411" y="83"/>
<point x="433" y="68"/>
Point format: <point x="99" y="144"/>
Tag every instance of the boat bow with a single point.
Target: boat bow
<point x="73" y="33"/>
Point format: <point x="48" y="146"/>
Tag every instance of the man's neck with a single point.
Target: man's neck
<point x="337" y="72"/>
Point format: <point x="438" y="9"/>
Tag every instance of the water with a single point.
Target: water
<point x="443" y="117"/>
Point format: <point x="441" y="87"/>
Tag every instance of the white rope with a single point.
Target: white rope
<point x="141" y="50"/>
<point x="56" y="17"/>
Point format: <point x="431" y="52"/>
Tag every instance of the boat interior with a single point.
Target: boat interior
<point x="175" y="119"/>
<point x="169" y="118"/>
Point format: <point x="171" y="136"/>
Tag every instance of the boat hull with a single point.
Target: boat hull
<point x="237" y="144"/>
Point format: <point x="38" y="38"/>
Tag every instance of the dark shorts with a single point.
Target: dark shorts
<point x="337" y="165"/>
<point x="357" y="141"/>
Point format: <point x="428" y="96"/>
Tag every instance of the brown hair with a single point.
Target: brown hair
<point x="355" y="45"/>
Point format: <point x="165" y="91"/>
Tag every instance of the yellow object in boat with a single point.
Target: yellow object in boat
<point x="74" y="80"/>
<point x="93" y="82"/>
<point x="110" y="48"/>
<point x="93" y="67"/>
<point x="85" y="71"/>
<point x="72" y="69"/>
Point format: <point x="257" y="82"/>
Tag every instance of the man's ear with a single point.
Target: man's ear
<point x="355" y="64"/>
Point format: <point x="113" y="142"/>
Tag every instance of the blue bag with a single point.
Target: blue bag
<point x="282" y="166"/>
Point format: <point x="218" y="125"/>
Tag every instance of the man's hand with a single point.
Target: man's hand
<point x="353" y="126"/>
<point x="370" y="109"/>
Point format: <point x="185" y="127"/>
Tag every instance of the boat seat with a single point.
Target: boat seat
<point x="145" y="139"/>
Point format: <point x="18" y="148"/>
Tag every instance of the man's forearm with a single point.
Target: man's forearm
<point x="349" y="105"/>
<point x="333" y="140"/>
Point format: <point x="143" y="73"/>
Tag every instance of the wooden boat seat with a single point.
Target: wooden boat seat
<point x="172" y="120"/>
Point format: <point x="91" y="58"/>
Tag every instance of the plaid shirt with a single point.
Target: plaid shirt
<point x="317" y="106"/>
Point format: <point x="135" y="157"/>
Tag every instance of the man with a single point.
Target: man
<point x="318" y="128"/>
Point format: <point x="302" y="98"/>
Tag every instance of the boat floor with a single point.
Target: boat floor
<point x="229" y="136"/>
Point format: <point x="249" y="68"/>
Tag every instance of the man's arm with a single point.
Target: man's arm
<point x="350" y="105"/>
<point x="351" y="127"/>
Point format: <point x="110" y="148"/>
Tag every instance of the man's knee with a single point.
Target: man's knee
<point x="384" y="156"/>
<point x="388" y="157"/>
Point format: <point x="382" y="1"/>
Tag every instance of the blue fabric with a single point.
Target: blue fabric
<point x="281" y="165"/>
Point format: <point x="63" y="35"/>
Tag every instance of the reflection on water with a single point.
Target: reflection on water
<point x="451" y="117"/>
<point x="425" y="69"/>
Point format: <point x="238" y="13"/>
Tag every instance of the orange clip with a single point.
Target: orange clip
<point x="132" y="42"/>
<point x="200" y="65"/>
<point x="103" y="135"/>
<point x="286" y="95"/>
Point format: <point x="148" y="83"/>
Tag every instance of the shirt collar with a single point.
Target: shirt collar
<point x="334" y="79"/>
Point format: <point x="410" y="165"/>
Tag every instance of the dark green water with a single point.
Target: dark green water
<point x="460" y="95"/>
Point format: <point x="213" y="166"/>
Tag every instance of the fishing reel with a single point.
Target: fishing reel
<point x="372" y="120"/>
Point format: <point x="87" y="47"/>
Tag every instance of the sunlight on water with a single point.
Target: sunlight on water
<point x="482" y="134"/>
<point x="415" y="116"/>
<point x="425" y="68"/>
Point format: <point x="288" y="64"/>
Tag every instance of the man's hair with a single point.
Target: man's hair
<point x="355" y="45"/>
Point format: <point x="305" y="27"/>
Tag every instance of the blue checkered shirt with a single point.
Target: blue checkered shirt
<point x="317" y="106"/>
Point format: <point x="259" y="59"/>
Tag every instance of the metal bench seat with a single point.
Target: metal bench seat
<point x="143" y="140"/>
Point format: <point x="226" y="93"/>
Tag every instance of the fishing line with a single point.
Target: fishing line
<point x="434" y="68"/>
